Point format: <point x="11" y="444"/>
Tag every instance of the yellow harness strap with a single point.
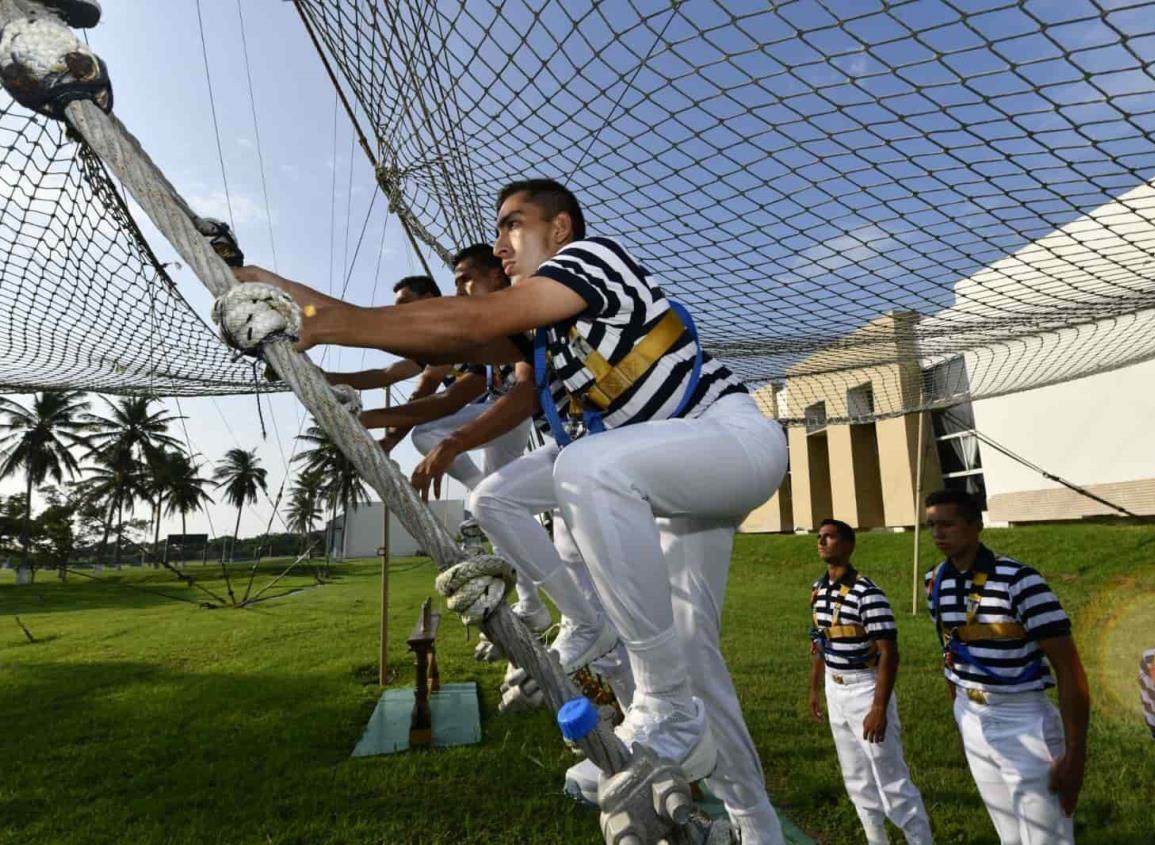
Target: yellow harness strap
<point x="612" y="380"/>
<point x="852" y="630"/>
<point x="974" y="631"/>
<point x="835" y="630"/>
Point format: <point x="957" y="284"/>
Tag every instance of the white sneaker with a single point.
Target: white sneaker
<point x="581" y="781"/>
<point x="537" y="619"/>
<point x="472" y="537"/>
<point x="577" y="644"/>
<point x="671" y="732"/>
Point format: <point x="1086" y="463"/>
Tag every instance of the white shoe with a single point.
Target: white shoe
<point x="581" y="781"/>
<point x="682" y="737"/>
<point x="578" y="644"/>
<point x="537" y="619"/>
<point x="472" y="537"/>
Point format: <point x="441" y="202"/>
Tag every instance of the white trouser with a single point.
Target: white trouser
<point x="1010" y="744"/>
<point x="653" y="508"/>
<point x="494" y="455"/>
<point x="875" y="773"/>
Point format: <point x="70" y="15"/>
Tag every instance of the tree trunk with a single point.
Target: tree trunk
<point x="183" y="535"/>
<point x="119" y="531"/>
<point x="156" y="533"/>
<point x="236" y="533"/>
<point x="26" y="530"/>
<point x="102" y="552"/>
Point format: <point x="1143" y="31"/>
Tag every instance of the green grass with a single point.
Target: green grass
<point x="141" y="719"/>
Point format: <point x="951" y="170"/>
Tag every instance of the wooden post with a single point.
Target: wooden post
<point x="917" y="516"/>
<point x="383" y="657"/>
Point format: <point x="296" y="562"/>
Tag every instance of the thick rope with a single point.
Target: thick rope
<point x="125" y="157"/>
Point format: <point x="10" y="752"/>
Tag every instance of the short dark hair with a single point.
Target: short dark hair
<point x="420" y="285"/>
<point x="966" y="504"/>
<point x="480" y="254"/>
<point x="552" y="198"/>
<point x="842" y="529"/>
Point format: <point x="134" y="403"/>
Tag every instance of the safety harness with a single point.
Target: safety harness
<point x="955" y="640"/>
<point x="611" y="380"/>
<point x="821" y="636"/>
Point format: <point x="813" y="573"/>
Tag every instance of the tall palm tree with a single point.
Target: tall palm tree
<point x="117" y="478"/>
<point x="133" y="427"/>
<point x="241" y="475"/>
<point x="343" y="486"/>
<point x="186" y="491"/>
<point x="38" y="441"/>
<point x="305" y="504"/>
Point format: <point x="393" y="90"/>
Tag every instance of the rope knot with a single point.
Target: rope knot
<point x="221" y="239"/>
<point x="349" y="398"/>
<point x="251" y="315"/>
<point x="476" y="587"/>
<point x="44" y="67"/>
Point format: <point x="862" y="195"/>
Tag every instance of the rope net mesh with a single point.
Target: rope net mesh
<point x="84" y="303"/>
<point x="870" y="207"/>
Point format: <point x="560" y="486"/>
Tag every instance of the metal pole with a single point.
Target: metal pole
<point x="917" y="517"/>
<point x="383" y="659"/>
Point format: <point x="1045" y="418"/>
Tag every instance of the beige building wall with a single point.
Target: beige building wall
<point x="862" y="473"/>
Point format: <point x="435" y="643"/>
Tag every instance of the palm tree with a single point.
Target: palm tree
<point x="186" y="491"/>
<point x="342" y="486"/>
<point x="38" y="441"/>
<point x="305" y="504"/>
<point x="132" y="426"/>
<point x="241" y="475"/>
<point x="115" y="477"/>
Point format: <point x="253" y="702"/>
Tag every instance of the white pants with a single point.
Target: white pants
<point x="494" y="455"/>
<point x="875" y="773"/>
<point x="1010" y="744"/>
<point x="653" y="509"/>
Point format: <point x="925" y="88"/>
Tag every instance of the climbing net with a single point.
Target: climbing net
<point x="84" y="303"/>
<point x="871" y="206"/>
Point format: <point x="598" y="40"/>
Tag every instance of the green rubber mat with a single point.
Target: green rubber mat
<point x="455" y="716"/>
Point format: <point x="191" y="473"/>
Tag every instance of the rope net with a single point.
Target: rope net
<point x="84" y="303"/>
<point x="870" y="207"/>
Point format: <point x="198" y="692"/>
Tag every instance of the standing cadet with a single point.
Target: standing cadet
<point x="854" y="637"/>
<point x="1147" y="688"/>
<point x="1003" y="633"/>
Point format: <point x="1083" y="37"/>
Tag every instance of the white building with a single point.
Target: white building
<point x="361" y="531"/>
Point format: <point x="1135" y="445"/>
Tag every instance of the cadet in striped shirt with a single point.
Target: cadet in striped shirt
<point x="854" y="638"/>
<point x="1006" y="639"/>
<point x="652" y="500"/>
<point x="1147" y="688"/>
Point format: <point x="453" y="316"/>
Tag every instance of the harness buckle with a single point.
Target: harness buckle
<point x="977" y="696"/>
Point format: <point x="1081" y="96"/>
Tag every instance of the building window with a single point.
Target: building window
<point x="815" y="417"/>
<point x="860" y="403"/>
<point x="959" y="454"/>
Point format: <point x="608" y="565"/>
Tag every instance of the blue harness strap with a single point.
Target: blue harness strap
<point x="592" y="420"/>
<point x="958" y="649"/>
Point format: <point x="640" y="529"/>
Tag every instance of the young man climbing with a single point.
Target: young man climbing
<point x="675" y="453"/>
<point x="855" y="658"/>
<point x="1004" y="633"/>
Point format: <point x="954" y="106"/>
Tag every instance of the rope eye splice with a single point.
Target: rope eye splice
<point x="250" y="315"/>
<point x="45" y="67"/>
<point x="474" y="588"/>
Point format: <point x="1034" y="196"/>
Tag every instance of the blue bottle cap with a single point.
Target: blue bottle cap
<point x="577" y="718"/>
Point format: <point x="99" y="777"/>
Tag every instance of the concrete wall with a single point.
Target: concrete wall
<point x="1097" y="432"/>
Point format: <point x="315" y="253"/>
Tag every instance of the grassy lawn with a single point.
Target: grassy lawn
<point x="138" y="718"/>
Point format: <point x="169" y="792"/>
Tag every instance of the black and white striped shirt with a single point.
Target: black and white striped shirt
<point x="1013" y="593"/>
<point x="863" y="605"/>
<point x="1147" y="688"/>
<point x="623" y="304"/>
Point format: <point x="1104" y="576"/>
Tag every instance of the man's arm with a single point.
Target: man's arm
<point x="437" y="330"/>
<point x="1075" y="707"/>
<point x="501" y="417"/>
<point x="816" y="666"/>
<point x="372" y="379"/>
<point x="427" y="408"/>
<point x="874" y="725"/>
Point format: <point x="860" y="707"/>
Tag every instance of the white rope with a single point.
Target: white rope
<point x="475" y="587"/>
